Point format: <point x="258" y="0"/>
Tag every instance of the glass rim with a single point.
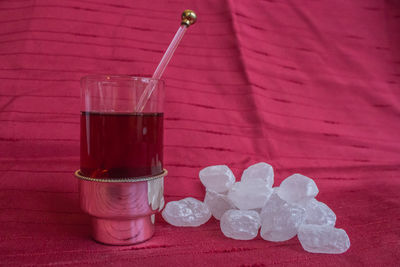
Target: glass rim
<point x="118" y="77"/>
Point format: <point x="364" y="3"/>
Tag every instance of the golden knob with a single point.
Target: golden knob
<point x="188" y="17"/>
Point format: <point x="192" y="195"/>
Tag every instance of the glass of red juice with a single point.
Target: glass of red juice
<point x="121" y="176"/>
<point x="117" y="141"/>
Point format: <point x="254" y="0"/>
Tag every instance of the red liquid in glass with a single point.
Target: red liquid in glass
<point x="121" y="145"/>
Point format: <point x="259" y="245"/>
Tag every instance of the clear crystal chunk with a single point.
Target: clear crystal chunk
<point x="218" y="178"/>
<point x="251" y="194"/>
<point x="297" y="188"/>
<point x="186" y="212"/>
<point x="261" y="171"/>
<point x="319" y="213"/>
<point x="323" y="239"/>
<point x="240" y="224"/>
<point x="280" y="220"/>
<point x="217" y="203"/>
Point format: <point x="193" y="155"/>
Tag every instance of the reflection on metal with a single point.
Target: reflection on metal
<point x="155" y="193"/>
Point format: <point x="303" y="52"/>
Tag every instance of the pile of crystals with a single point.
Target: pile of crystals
<point x="246" y="206"/>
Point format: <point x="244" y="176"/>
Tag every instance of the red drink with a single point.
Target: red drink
<point x="121" y="145"/>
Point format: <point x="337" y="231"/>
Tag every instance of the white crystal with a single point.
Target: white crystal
<point x="217" y="178"/>
<point x="250" y="194"/>
<point x="186" y="212"/>
<point x="280" y="220"/>
<point x="217" y="203"/>
<point x="240" y="224"/>
<point x="257" y="210"/>
<point x="319" y="213"/>
<point x="260" y="170"/>
<point x="297" y="188"/>
<point x="323" y="239"/>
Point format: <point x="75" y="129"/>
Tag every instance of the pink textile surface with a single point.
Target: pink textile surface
<point x="310" y="87"/>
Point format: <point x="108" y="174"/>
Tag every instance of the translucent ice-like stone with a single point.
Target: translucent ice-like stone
<point x="319" y="213"/>
<point x="217" y="203"/>
<point x="257" y="210"/>
<point x="240" y="224"/>
<point x="323" y="239"/>
<point x="186" y="212"/>
<point x="260" y="170"/>
<point x="297" y="188"/>
<point x="217" y="178"/>
<point x="250" y="194"/>
<point x="280" y="220"/>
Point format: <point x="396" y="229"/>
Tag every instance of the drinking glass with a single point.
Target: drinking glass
<point x="121" y="157"/>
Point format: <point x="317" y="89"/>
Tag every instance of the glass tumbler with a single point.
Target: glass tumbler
<point x="121" y="157"/>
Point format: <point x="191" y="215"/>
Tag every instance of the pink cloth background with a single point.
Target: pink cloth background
<point x="308" y="86"/>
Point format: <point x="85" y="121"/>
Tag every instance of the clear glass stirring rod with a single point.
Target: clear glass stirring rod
<point x="188" y="18"/>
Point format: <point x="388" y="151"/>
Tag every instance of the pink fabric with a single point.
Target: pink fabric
<point x="308" y="86"/>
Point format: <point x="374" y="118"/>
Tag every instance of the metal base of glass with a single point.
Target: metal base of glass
<point x="122" y="210"/>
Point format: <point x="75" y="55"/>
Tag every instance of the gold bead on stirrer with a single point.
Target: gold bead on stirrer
<point x="188" y="17"/>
